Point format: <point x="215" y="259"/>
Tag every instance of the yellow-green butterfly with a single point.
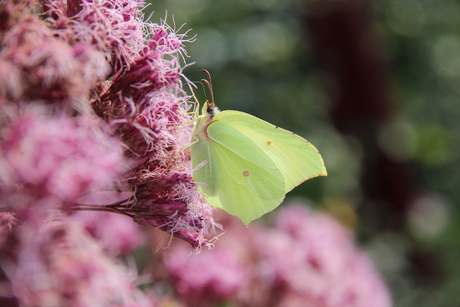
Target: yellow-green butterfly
<point x="245" y="165"/>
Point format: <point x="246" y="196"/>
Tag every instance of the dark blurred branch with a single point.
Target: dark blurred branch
<point x="348" y="47"/>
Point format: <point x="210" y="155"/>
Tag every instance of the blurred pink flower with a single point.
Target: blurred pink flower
<point x="60" y="265"/>
<point x="8" y="220"/>
<point x="116" y="234"/>
<point x="53" y="161"/>
<point x="60" y="156"/>
<point x="306" y="259"/>
<point x="39" y="67"/>
<point x="314" y="257"/>
<point x="207" y="279"/>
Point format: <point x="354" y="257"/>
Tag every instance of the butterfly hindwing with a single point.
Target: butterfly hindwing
<point x="238" y="176"/>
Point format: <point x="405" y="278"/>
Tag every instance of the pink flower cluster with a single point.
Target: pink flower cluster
<point x="92" y="118"/>
<point x="89" y="103"/>
<point x="49" y="162"/>
<point x="306" y="259"/>
<point x="60" y="265"/>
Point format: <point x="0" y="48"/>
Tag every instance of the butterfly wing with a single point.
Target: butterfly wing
<point x="296" y="158"/>
<point x="238" y="175"/>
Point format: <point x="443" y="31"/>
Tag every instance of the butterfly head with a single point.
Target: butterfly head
<point x="212" y="110"/>
<point x="209" y="110"/>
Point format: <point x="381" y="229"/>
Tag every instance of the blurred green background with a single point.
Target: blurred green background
<point x="374" y="85"/>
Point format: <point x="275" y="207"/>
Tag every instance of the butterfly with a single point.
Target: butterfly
<point x="245" y="165"/>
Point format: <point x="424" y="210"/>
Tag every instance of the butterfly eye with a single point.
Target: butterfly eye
<point x="212" y="110"/>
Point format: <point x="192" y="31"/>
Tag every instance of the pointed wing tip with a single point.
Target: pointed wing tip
<point x="248" y="220"/>
<point x="324" y="174"/>
<point x="246" y="224"/>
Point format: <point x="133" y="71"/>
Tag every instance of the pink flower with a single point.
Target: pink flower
<point x="113" y="27"/>
<point x="207" y="279"/>
<point x="54" y="160"/>
<point x="90" y="107"/>
<point x="39" y="67"/>
<point x="97" y="78"/>
<point x="323" y="266"/>
<point x="146" y="107"/>
<point x="116" y="234"/>
<point x="60" y="265"/>
<point x="8" y="220"/>
<point x="306" y="259"/>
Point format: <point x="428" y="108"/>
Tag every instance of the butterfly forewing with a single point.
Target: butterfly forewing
<point x="295" y="158"/>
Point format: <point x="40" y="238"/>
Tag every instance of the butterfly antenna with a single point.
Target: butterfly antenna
<point x="209" y="84"/>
